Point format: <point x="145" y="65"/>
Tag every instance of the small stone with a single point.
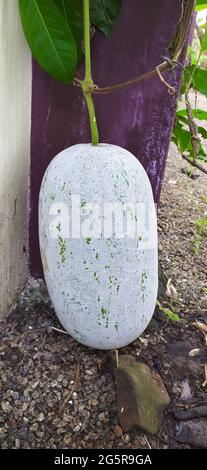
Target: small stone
<point x="192" y="432"/>
<point x="102" y="417"/>
<point x="35" y="385"/>
<point x="41" y="417"/>
<point x="67" y="440"/>
<point x="2" y="432"/>
<point x="144" y="341"/>
<point x="185" y="390"/>
<point x="77" y="428"/>
<point x="141" y="394"/>
<point x="126" y="438"/>
<point x="94" y="402"/>
<point x="61" y="431"/>
<point x="17" y="443"/>
<point x="118" y="431"/>
<point x="75" y="395"/>
<point x="175" y="388"/>
<point x="54" y="384"/>
<point x="194" y="352"/>
<point x="33" y="427"/>
<point x="6" y="407"/>
<point x="24" y="407"/>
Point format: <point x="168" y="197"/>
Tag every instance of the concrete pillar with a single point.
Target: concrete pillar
<point x="15" y="125"/>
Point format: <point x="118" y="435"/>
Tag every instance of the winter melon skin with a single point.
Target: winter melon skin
<point x="103" y="289"/>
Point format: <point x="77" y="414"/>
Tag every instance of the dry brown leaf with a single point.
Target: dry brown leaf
<point x="170" y="289"/>
<point x="201" y="326"/>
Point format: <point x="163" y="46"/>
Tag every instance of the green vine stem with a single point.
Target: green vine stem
<point x="87" y="84"/>
<point x="177" y="45"/>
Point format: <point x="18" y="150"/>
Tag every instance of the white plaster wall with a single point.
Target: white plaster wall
<point x="15" y="124"/>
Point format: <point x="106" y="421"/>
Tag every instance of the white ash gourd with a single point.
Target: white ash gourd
<point x="98" y="241"/>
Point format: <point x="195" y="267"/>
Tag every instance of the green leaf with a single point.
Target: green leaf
<point x="200" y="80"/>
<point x="197" y="113"/>
<point x="72" y="10"/>
<point x="181" y="137"/>
<point x="201" y="4"/>
<point x="202" y="131"/>
<point x="182" y="118"/>
<point x="104" y="14"/>
<point x="50" y="38"/>
<point x="204" y="40"/>
<point x="186" y="76"/>
<point x="170" y="314"/>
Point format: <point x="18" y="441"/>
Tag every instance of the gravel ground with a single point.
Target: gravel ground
<point x="55" y="393"/>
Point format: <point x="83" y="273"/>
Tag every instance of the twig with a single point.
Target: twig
<point x="205" y="381"/>
<point x="192" y="404"/>
<point x="147" y="442"/>
<point x="117" y="358"/>
<point x="195" y="164"/>
<point x="72" y="390"/>
<point x="201" y="326"/>
<point x="164" y="66"/>
<point x="60" y="331"/>
<point x="170" y="88"/>
<point x="195" y="141"/>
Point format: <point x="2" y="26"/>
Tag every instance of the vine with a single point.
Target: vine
<point x="176" y="46"/>
<point x="87" y="84"/>
<point x="54" y="31"/>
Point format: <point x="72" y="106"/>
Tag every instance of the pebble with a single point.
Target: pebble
<point x="118" y="431"/>
<point x="33" y="427"/>
<point x="102" y="417"/>
<point x="35" y="385"/>
<point x="6" y="407"/>
<point x="126" y="438"/>
<point x="54" y="384"/>
<point x="67" y="439"/>
<point x="94" y="402"/>
<point x="17" y="443"/>
<point x="41" y="417"/>
<point x="77" y="428"/>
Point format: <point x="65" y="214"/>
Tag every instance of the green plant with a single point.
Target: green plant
<point x="200" y="232"/>
<point x="54" y="31"/>
<point x="169" y="313"/>
<point x="189" y="131"/>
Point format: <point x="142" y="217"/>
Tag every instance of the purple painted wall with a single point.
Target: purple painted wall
<point x="139" y="117"/>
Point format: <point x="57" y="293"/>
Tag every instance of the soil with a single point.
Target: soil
<point x="56" y="393"/>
